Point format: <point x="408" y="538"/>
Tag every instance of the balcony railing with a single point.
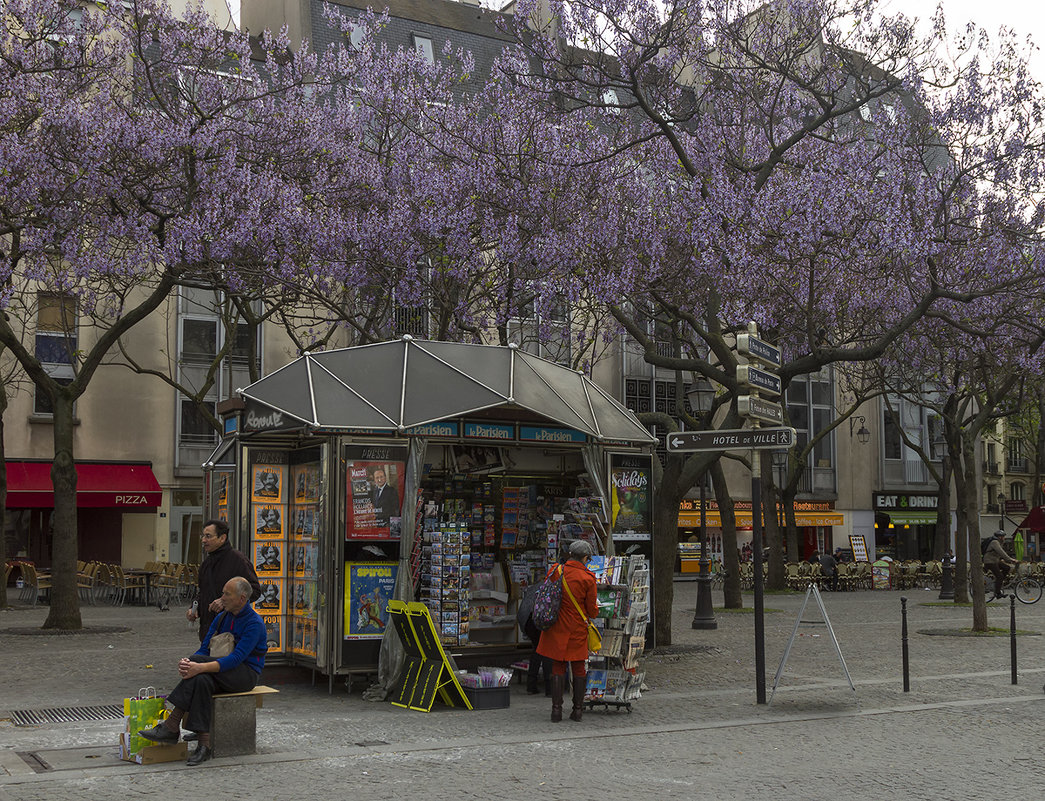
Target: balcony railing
<point x="1017" y="465"/>
<point x="990" y="468"/>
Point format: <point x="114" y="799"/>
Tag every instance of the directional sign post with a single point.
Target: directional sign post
<point x="757" y="349"/>
<point x="737" y="439"/>
<point x="754" y="407"/>
<point x="758" y="380"/>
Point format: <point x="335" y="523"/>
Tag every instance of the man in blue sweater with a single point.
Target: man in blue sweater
<point x="202" y="675"/>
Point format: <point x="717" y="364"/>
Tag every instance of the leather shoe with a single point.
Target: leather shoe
<point x="190" y="736"/>
<point x="160" y="734"/>
<point x="200" y="755"/>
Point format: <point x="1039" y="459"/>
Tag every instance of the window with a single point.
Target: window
<point x="199" y="340"/>
<point x="1016" y="492"/>
<point x="542" y="326"/>
<point x="810" y="410"/>
<point x="423" y="45"/>
<point x="195" y="427"/>
<point x="55" y="344"/>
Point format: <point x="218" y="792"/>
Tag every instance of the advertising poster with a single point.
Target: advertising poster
<point x="268" y="483"/>
<point x="305" y="556"/>
<point x="304" y="641"/>
<point x="376" y="482"/>
<point x="268" y="558"/>
<point x="268" y="521"/>
<point x="304" y="601"/>
<point x="631" y="493"/>
<point x="368" y="589"/>
<point x="271" y="600"/>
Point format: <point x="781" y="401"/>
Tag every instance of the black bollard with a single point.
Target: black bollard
<point x="1012" y="635"/>
<point x="906" y="655"/>
<point x="947" y="581"/>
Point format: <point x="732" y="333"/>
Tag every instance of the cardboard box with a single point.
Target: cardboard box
<point x="154" y="754"/>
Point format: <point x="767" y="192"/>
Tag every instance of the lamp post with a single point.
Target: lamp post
<point x="947" y="576"/>
<point x="1001" y="512"/>
<point x="701" y="397"/>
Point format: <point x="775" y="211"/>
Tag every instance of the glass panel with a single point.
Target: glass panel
<point x="55" y="348"/>
<point x="55" y="312"/>
<point x="242" y="339"/>
<point x="199" y="340"/>
<point x="796" y="391"/>
<point x="821" y="393"/>
<point x="195" y="428"/>
<point x="823" y="452"/>
<point x="799" y="416"/>
<point x="891" y="434"/>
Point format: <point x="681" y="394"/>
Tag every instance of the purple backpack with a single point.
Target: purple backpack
<point x="546" y="601"/>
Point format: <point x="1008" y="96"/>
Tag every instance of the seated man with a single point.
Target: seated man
<point x="202" y="675"/>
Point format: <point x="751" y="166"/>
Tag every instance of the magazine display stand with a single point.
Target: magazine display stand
<point x="614" y="673"/>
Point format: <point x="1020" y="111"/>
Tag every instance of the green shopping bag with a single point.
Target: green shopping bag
<point x="142" y="711"/>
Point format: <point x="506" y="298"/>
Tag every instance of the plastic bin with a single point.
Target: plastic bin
<point x="488" y="697"/>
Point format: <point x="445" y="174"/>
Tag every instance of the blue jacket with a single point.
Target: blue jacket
<point x="248" y="629"/>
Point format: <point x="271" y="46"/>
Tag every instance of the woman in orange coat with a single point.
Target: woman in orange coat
<point x="567" y="639"/>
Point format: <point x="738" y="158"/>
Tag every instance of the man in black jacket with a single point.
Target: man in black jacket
<point x="221" y="564"/>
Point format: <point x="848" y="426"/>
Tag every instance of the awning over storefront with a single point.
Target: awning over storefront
<point x="1035" y="521"/>
<point x="127" y="485"/>
<point x="692" y="519"/>
<point x="400" y="385"/>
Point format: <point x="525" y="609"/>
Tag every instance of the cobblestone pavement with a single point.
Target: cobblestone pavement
<point x="964" y="729"/>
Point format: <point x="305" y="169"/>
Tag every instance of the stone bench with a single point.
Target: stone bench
<point x="234" y="721"/>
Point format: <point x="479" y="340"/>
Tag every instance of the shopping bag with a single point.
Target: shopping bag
<point x="142" y="711"/>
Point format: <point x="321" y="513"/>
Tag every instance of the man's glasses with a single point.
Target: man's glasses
<point x="208" y="536"/>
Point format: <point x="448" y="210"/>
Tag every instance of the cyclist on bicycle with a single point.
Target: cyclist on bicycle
<point x="997" y="562"/>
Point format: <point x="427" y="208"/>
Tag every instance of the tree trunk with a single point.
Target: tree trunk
<point x="961" y="535"/>
<point x="65" y="603"/>
<point x="942" y="538"/>
<point x="972" y="528"/>
<point x="3" y="495"/>
<point x="732" y="598"/>
<point x="665" y="548"/>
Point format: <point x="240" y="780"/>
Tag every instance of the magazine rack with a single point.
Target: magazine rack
<point x="614" y="675"/>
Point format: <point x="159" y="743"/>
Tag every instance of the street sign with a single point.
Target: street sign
<point x="755" y="407"/>
<point x="737" y="439"/>
<point x="759" y="380"/>
<point x="758" y="350"/>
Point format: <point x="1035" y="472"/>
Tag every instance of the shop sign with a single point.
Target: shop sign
<point x="904" y="501"/>
<point x="264" y="418"/>
<point x="376" y="481"/>
<point x="489" y="431"/>
<point x="444" y="428"/>
<point x="551" y="435"/>
<point x="631" y="495"/>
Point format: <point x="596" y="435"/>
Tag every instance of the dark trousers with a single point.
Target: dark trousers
<point x="195" y="695"/>
<point x="536" y="663"/>
<point x="1000" y="571"/>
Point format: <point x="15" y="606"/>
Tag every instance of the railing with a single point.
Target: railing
<point x="990" y="468"/>
<point x="1017" y="465"/>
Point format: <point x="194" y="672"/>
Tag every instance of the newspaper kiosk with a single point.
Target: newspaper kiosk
<point x="438" y="472"/>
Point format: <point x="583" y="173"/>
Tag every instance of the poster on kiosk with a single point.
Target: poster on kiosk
<point x="376" y="476"/>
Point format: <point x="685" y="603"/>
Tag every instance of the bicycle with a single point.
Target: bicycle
<point x="1026" y="589"/>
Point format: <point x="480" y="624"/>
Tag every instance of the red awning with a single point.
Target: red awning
<point x="1035" y="521"/>
<point x="99" y="485"/>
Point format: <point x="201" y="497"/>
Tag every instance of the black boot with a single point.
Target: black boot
<point x="580" y="686"/>
<point x="557" y="682"/>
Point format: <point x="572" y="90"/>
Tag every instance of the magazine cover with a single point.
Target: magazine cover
<point x="271" y="600"/>
<point x="368" y="589"/>
<point x="268" y="558"/>
<point x="267" y="483"/>
<point x="376" y="482"/>
<point x="305" y="478"/>
<point x="268" y="521"/>
<point x="273" y="632"/>
<point x="304" y="523"/>
<point x="631" y="506"/>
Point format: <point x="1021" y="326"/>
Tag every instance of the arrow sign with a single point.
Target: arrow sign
<point x="738" y="439"/>
<point x="758" y="350"/>
<point x="759" y="380"/>
<point x="754" y="407"/>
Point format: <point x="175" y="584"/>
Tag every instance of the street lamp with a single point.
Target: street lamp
<point x="701" y="397"/>
<point x="947" y="576"/>
<point x="862" y="433"/>
<point x="1001" y="512"/>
